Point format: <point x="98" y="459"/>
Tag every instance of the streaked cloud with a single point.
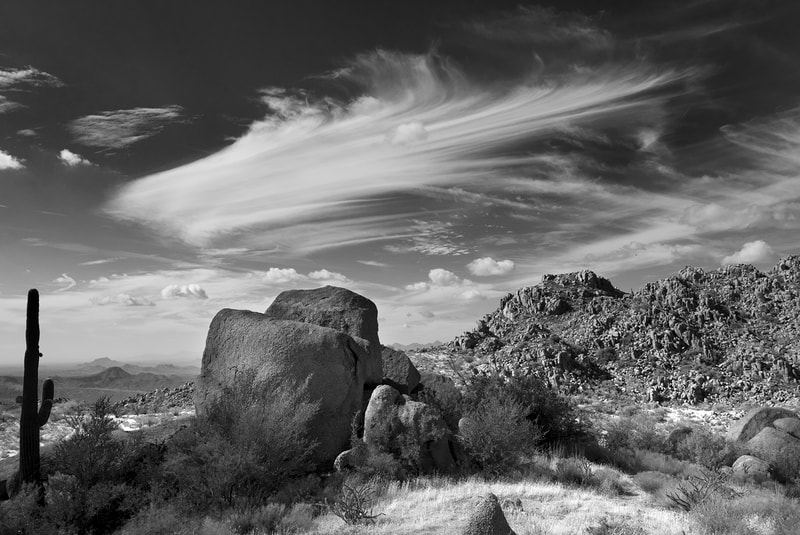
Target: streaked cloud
<point x="8" y="161"/>
<point x="120" y="129"/>
<point x="68" y="281"/>
<point x="487" y="266"/>
<point x="122" y="300"/>
<point x="310" y="160"/>
<point x="71" y="159"/>
<point x="27" y="78"/>
<point x="755" y="252"/>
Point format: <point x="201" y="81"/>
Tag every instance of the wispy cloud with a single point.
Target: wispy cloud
<point x="310" y="161"/>
<point x="8" y="161"/>
<point x="27" y="78"/>
<point x="120" y="129"/>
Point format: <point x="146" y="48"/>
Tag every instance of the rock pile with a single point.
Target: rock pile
<point x="328" y="339"/>
<point x="771" y="439"/>
<point x="729" y="333"/>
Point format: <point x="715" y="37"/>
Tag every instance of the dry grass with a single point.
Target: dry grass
<point x="436" y="506"/>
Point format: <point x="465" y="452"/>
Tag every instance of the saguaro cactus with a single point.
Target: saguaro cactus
<point x="32" y="418"/>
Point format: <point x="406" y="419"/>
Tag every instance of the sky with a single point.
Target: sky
<point x="160" y="161"/>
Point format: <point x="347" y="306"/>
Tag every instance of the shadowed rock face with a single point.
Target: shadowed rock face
<point x="329" y="360"/>
<point x="754" y="421"/>
<point x="339" y="309"/>
<point x="488" y="519"/>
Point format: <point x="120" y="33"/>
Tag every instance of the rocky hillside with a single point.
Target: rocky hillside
<point x="731" y="333"/>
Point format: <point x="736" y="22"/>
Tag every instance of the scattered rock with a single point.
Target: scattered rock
<point x="488" y="519"/>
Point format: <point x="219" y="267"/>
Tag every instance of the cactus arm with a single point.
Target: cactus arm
<point x="48" y="390"/>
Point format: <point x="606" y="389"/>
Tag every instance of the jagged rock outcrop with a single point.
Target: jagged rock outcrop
<point x="488" y="519"/>
<point x="730" y="333"/>
<point x="339" y="309"/>
<point x="241" y="343"/>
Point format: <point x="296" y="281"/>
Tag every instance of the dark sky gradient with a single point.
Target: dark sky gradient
<point x="432" y="155"/>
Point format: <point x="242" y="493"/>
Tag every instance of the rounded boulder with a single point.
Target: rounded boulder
<point x="241" y="343"/>
<point x="339" y="309"/>
<point x="754" y="421"/>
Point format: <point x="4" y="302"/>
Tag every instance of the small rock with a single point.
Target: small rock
<point x="488" y="519"/>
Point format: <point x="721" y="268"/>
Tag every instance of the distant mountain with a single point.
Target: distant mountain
<point x="99" y="365"/>
<point x="416" y="346"/>
<point x="730" y="333"/>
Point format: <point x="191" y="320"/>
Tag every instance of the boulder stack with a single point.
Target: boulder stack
<point x="767" y="436"/>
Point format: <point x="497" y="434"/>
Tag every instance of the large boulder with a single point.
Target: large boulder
<point x="488" y="519"/>
<point x="441" y="392"/>
<point x="396" y="424"/>
<point x="242" y="343"/>
<point x="754" y="421"/>
<point x="789" y="425"/>
<point x="780" y="449"/>
<point x="399" y="371"/>
<point x="339" y="309"/>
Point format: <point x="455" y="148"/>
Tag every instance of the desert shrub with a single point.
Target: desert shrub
<point x="552" y="413"/>
<point x="610" y="526"/>
<point x="697" y="489"/>
<point x="652" y="482"/>
<point x="703" y="447"/>
<point x="610" y="482"/>
<point x="636" y="432"/>
<point x="23" y="514"/>
<point x="159" y="521"/>
<point x="246" y="447"/>
<point x="573" y="471"/>
<point x="497" y="434"/>
<point x="355" y="503"/>
<point x="263" y="518"/>
<point x="752" y="514"/>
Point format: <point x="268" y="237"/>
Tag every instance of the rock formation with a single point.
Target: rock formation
<point x="765" y="435"/>
<point x="339" y="309"/>
<point x="731" y="333"/>
<point x="395" y="423"/>
<point x="334" y="364"/>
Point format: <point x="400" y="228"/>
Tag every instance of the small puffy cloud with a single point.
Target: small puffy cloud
<point x="408" y="134"/>
<point x="753" y="252"/>
<point x="484" y="267"/>
<point x="187" y="290"/>
<point x="9" y="162"/>
<point x="325" y="275"/>
<point x="439" y="278"/>
<point x="472" y="293"/>
<point x="65" y="279"/>
<point x="71" y="159"/>
<point x="282" y="275"/>
<point x="443" y="277"/>
<point x="122" y="299"/>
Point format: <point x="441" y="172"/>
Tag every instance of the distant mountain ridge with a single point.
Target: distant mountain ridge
<point x="732" y="332"/>
<point x="101" y="364"/>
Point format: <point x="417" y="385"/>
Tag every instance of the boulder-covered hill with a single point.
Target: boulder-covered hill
<point x="732" y="333"/>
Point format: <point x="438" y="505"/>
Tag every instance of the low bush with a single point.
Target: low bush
<point x="573" y="471"/>
<point x="497" y="435"/>
<point x="550" y="412"/>
<point x="703" y="447"/>
<point x="246" y="447"/>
